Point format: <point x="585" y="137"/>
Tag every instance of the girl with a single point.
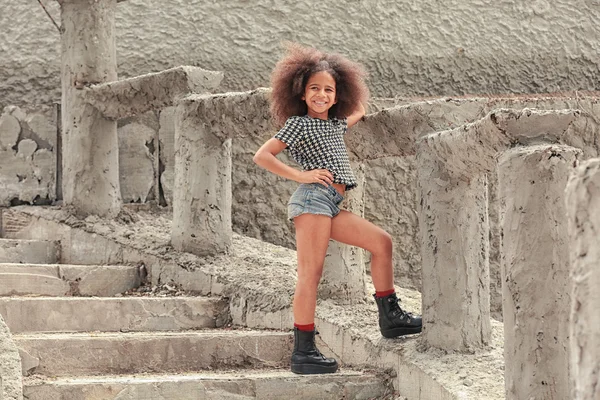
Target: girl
<point x="319" y="96"/>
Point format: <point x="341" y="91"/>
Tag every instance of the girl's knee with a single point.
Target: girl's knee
<point x="384" y="245"/>
<point x="309" y="276"/>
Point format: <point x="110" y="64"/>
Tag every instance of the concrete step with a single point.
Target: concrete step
<point x="29" y="251"/>
<point x="261" y="384"/>
<point x="112" y="314"/>
<point x="67" y="280"/>
<point x="79" y="354"/>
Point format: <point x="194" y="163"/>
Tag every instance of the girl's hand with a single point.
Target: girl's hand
<point x="321" y="176"/>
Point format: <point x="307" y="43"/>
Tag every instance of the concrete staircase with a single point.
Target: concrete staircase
<point x="80" y="338"/>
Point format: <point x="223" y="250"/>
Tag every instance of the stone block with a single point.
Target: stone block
<point x="126" y="314"/>
<point x="67" y="280"/>
<point x="28" y="251"/>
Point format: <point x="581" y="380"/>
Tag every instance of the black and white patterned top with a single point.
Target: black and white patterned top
<point x="319" y="144"/>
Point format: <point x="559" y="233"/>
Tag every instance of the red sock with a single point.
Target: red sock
<point x="305" y="328"/>
<point x="385" y="293"/>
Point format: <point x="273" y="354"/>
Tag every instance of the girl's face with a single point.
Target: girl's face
<point x="320" y="94"/>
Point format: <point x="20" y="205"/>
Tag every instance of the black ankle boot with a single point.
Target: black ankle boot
<point x="393" y="321"/>
<point x="306" y="358"/>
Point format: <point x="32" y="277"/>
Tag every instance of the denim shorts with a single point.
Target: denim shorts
<point x="314" y="198"/>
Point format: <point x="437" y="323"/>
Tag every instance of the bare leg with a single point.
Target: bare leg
<point x="356" y="231"/>
<point x="312" y="239"/>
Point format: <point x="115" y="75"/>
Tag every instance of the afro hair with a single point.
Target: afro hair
<point x="291" y="73"/>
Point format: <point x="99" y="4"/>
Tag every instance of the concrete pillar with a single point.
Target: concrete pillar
<point x="454" y="229"/>
<point x="583" y="207"/>
<point x="344" y="271"/>
<point x="90" y="147"/>
<point x="535" y="270"/>
<point x="202" y="185"/>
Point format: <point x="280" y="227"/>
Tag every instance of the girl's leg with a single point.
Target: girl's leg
<point x="356" y="231"/>
<point x="351" y="229"/>
<point x="312" y="238"/>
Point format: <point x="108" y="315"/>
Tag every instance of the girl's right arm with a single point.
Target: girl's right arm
<point x="266" y="158"/>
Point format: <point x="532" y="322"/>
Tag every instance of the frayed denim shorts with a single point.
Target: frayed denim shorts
<point x="314" y="198"/>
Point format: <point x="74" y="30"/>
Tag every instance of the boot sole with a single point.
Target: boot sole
<point x="392" y="333"/>
<point x="309" y="369"/>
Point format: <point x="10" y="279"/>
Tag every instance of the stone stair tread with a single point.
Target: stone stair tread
<point x="112" y="314"/>
<point x="101" y="353"/>
<point x="135" y="335"/>
<point x="55" y="265"/>
<point x="240" y="384"/>
<point x="8" y="240"/>
<point x="190" y="376"/>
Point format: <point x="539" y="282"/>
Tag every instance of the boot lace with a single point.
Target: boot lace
<point x="396" y="310"/>
<point x="316" y="349"/>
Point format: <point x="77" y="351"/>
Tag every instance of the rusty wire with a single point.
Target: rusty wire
<point x="48" y="14"/>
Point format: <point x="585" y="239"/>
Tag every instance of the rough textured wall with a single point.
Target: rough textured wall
<point x="408" y="47"/>
<point x="138" y="167"/>
<point x="27" y="156"/>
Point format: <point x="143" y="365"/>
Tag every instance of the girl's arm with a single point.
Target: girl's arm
<point x="266" y="158"/>
<point x="356" y="115"/>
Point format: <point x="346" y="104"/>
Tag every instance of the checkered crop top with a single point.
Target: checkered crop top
<point x="319" y="144"/>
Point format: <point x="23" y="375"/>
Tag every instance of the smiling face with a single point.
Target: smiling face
<point x="320" y="94"/>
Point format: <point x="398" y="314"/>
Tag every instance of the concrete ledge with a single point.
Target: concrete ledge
<point x="129" y="97"/>
<point x="264" y="385"/>
<point x="11" y="387"/>
<point x="472" y="148"/>
<point x="390" y="132"/>
<point x="259" y="280"/>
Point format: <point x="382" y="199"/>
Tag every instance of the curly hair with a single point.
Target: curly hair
<point x="290" y="75"/>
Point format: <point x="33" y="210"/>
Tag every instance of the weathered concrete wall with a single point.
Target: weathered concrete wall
<point x="27" y="156"/>
<point x="408" y="48"/>
<point x="11" y="387"/>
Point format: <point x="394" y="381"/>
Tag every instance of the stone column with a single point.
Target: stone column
<point x="454" y="229"/>
<point x="535" y="270"/>
<point x="90" y="147"/>
<point x="202" y="184"/>
<point x="583" y="207"/>
<point x="344" y="270"/>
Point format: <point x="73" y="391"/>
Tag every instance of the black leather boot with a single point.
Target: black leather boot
<point x="393" y="321"/>
<point x="306" y="358"/>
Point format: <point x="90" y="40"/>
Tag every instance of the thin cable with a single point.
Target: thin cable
<point x="48" y="14"/>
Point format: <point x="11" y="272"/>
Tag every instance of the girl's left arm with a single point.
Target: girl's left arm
<point x="357" y="115"/>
